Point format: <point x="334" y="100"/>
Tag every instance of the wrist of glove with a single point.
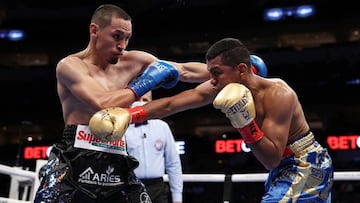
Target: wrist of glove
<point x="141" y="85"/>
<point x="138" y="114"/>
<point x="110" y="124"/>
<point x="251" y="133"/>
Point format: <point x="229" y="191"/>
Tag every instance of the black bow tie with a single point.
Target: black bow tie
<point x="139" y="124"/>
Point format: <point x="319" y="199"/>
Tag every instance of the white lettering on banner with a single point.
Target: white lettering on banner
<point x="85" y="140"/>
<point x="245" y="148"/>
<point x="103" y="179"/>
<point x="180" y="146"/>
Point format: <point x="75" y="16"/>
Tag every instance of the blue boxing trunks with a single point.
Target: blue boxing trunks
<point x="304" y="175"/>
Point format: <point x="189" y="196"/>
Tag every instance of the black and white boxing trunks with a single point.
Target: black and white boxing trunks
<point x="82" y="168"/>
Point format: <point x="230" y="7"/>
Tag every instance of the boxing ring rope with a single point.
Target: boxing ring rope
<point x="18" y="174"/>
<point x="258" y="177"/>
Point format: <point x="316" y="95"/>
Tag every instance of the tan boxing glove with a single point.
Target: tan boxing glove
<point x="110" y="124"/>
<point x="236" y="101"/>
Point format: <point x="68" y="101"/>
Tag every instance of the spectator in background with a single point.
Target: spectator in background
<point x="153" y="145"/>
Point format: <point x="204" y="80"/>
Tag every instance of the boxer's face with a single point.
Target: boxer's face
<point x="220" y="74"/>
<point x="112" y="40"/>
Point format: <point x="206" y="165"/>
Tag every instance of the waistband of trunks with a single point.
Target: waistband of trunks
<point x="69" y="131"/>
<point x="150" y="181"/>
<point x="299" y="145"/>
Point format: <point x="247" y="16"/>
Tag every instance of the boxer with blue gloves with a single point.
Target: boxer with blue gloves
<point x="85" y="168"/>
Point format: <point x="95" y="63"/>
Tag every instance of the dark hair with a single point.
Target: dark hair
<point x="104" y="14"/>
<point x="232" y="52"/>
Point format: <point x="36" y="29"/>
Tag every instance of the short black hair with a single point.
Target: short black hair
<point x="232" y="50"/>
<point x="104" y="14"/>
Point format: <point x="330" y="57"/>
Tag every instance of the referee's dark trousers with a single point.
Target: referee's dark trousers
<point x="157" y="189"/>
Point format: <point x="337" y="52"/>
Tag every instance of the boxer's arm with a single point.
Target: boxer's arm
<point x="103" y="122"/>
<point x="72" y="76"/>
<point x="192" y="72"/>
<point x="196" y="72"/>
<point x="269" y="142"/>
<point x="200" y="96"/>
<point x="279" y="105"/>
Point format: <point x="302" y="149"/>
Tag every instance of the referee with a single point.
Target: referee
<point x="153" y="145"/>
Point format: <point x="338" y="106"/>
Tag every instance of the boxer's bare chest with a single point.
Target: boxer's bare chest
<point x="113" y="77"/>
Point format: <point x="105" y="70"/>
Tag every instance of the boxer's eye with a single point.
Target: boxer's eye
<point x="215" y="71"/>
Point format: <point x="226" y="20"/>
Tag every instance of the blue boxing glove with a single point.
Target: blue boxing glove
<point x="258" y="66"/>
<point x="157" y="74"/>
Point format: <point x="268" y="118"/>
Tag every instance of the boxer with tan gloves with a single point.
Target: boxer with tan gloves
<point x="269" y="117"/>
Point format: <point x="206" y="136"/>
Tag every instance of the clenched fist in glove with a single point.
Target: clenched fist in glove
<point x="236" y="101"/>
<point x="157" y="74"/>
<point x="258" y="66"/>
<point x="110" y="124"/>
